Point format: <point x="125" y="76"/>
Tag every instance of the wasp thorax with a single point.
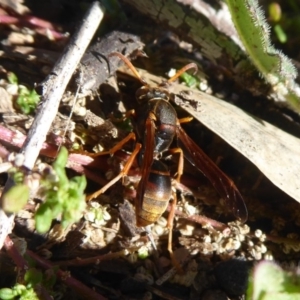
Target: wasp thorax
<point x="147" y="93"/>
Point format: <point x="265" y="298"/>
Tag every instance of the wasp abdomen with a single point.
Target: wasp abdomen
<point x="158" y="191"/>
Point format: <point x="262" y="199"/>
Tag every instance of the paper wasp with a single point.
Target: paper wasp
<point x="156" y="126"/>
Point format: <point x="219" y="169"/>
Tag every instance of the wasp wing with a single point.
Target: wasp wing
<point x="147" y="160"/>
<point x="221" y="182"/>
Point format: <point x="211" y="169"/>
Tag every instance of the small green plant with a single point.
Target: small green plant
<point x="143" y="253"/>
<point x="96" y="213"/>
<point x="63" y="197"/>
<point x="270" y="282"/>
<point x="17" y="196"/>
<point x="27" y="100"/>
<point x="189" y="80"/>
<point x="19" y="291"/>
<point x="26" y="291"/>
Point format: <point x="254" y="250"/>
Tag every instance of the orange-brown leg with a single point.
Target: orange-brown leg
<point x="182" y="70"/>
<point x="130" y="66"/>
<point x="180" y="162"/>
<point x="123" y="173"/>
<point x="179" y="150"/>
<point x="115" y="148"/>
<point x="171" y="217"/>
<point x="170" y="224"/>
<point x="185" y="120"/>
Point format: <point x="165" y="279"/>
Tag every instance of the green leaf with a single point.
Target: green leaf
<point x="270" y="282"/>
<point x="63" y="197"/>
<point x="190" y="80"/>
<point x="49" y="277"/>
<point x="19" y="289"/>
<point x="33" y="276"/>
<point x="15" y="198"/>
<point x="43" y="218"/>
<point x="12" y="78"/>
<point x="6" y="294"/>
<point x="61" y="159"/>
<point x="80" y="183"/>
<point x="59" y="167"/>
<point x="29" y="294"/>
<point x="27" y="100"/>
<point x="275" y="12"/>
<point x="280" y="34"/>
<point x="16" y="175"/>
<point x="143" y="253"/>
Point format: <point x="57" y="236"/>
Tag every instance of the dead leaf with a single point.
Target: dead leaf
<point x="275" y="152"/>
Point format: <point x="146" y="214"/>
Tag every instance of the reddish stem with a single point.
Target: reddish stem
<point x="21" y="263"/>
<point x="38" y="22"/>
<point x="204" y="221"/>
<point x="84" y="291"/>
<point x="14" y="254"/>
<point x="88" y="261"/>
<point x="9" y="17"/>
<point x="9" y="20"/>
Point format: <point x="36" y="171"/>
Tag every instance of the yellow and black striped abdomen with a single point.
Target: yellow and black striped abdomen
<point x="158" y="191"/>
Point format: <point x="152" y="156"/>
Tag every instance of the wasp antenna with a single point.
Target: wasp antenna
<point x="130" y="66"/>
<point x="184" y="69"/>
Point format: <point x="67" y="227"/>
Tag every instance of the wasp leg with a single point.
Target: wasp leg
<point x="180" y="162"/>
<point x="123" y="173"/>
<point x="171" y="217"/>
<point x="185" y="120"/>
<point x="115" y="148"/>
<point x="182" y="70"/>
<point x="130" y="65"/>
<point x="170" y="224"/>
